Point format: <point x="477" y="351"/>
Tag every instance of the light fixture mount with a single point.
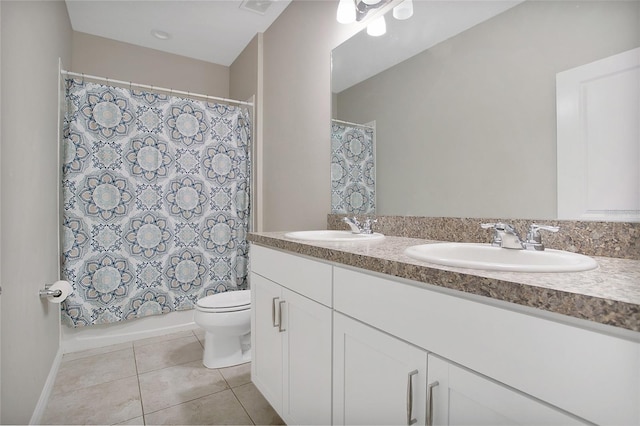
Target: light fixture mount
<point x="363" y="9"/>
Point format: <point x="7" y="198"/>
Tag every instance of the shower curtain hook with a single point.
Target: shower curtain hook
<point x="82" y="78"/>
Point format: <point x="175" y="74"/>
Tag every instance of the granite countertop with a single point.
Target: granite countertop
<point x="608" y="295"/>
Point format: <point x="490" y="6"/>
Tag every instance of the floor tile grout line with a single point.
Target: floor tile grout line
<point x="135" y="360"/>
<point x="95" y="354"/>
<point x="161" y="341"/>
<point x="242" y="405"/>
<point x="92" y="385"/>
<point x="168" y="366"/>
<point x="74" y="360"/>
<point x="194" y="399"/>
<point x="191" y="400"/>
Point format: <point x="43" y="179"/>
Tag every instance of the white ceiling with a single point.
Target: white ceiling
<point x="210" y="30"/>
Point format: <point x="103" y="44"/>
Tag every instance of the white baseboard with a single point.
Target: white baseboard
<point x="38" y="412"/>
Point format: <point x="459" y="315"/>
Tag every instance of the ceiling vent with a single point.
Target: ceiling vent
<point x="257" y="6"/>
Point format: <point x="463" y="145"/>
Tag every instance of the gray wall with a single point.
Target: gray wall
<point x="243" y="72"/>
<point x="34" y="35"/>
<point x="245" y="81"/>
<point x="1" y="282"/>
<point x="297" y="107"/>
<point x="468" y="127"/>
<point x="122" y="61"/>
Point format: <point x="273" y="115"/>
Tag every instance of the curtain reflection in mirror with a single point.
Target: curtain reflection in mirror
<point x="352" y="168"/>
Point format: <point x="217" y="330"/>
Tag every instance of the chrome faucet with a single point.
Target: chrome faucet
<point x="358" y="227"/>
<point x="505" y="236"/>
<point x="353" y="224"/>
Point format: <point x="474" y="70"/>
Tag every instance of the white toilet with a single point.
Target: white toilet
<point x="226" y="319"/>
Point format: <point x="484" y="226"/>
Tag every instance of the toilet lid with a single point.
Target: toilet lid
<point x="229" y="300"/>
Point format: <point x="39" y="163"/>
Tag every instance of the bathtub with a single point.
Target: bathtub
<point x="95" y="336"/>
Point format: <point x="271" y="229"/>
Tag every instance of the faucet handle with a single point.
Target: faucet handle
<point x="534" y="239"/>
<point x="366" y="226"/>
<point x="535" y="228"/>
<point x="498" y="226"/>
<point x="497" y="239"/>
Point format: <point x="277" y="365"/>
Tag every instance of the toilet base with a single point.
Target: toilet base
<point x="226" y="351"/>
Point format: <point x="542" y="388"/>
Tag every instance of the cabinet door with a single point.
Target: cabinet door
<point x="266" y="339"/>
<point x="307" y="360"/>
<point x="378" y="379"/>
<point x="457" y="396"/>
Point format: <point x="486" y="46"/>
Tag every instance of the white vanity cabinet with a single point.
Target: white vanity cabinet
<point x="291" y="338"/>
<point x="554" y="372"/>
<point x="339" y="345"/>
<point x="457" y="396"/>
<point x="377" y="379"/>
<point x="381" y="380"/>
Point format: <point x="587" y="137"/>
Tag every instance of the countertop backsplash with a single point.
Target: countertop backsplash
<point x="610" y="239"/>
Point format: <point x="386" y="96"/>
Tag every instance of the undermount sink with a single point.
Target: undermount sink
<point x="333" y="236"/>
<point x="488" y="257"/>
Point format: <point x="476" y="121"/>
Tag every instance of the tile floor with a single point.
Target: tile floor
<point x="160" y="380"/>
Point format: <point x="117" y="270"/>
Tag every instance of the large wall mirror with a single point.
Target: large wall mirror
<point x="463" y="124"/>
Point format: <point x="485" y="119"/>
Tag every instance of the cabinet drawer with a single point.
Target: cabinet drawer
<point x="304" y="276"/>
<point x="589" y="374"/>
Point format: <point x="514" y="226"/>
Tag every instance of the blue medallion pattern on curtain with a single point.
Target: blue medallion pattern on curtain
<point x="156" y="202"/>
<point x="352" y="170"/>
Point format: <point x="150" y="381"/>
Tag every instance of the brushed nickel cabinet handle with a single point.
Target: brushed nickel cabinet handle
<point x="280" y="303"/>
<point x="273" y="312"/>
<point x="410" y="420"/>
<point x="430" y="402"/>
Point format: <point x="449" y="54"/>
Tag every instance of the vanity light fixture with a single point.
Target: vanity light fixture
<point x="346" y="12"/>
<point x="377" y="27"/>
<point x="404" y="10"/>
<point x="350" y="11"/>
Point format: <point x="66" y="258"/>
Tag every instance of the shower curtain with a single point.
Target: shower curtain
<point x="352" y="169"/>
<point x="156" y="202"/>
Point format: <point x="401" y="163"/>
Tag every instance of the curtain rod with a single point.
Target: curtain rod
<point x="353" y="124"/>
<point x="152" y="88"/>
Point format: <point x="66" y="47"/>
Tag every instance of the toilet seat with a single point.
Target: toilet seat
<point x="230" y="301"/>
